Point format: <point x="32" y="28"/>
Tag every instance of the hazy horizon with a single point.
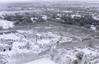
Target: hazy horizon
<point x="11" y="1"/>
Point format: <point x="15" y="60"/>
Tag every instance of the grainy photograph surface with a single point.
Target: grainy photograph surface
<point x="49" y="31"/>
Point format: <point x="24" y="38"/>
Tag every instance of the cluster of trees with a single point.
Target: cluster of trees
<point x="81" y="21"/>
<point x="25" y="18"/>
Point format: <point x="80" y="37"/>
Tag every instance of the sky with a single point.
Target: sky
<point x="4" y="1"/>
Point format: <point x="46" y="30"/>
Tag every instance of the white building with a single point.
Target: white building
<point x="76" y="15"/>
<point x="44" y="17"/>
<point x="95" y="17"/>
<point x="93" y="28"/>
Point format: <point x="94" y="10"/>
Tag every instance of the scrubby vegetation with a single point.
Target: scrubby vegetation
<point x="62" y="33"/>
<point x="71" y="18"/>
<point x="75" y="56"/>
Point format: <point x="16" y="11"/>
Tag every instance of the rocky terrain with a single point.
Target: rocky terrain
<point x="51" y="33"/>
<point x="41" y="40"/>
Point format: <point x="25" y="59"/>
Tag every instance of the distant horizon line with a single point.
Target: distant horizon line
<point x="49" y="1"/>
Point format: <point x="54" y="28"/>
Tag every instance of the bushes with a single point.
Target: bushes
<point x="3" y="59"/>
<point x="87" y="20"/>
<point x="75" y="56"/>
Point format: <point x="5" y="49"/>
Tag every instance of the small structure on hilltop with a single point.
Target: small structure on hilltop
<point x="44" y="17"/>
<point x="76" y="16"/>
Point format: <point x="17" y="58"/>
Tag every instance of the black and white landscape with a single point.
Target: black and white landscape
<point x="49" y="32"/>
